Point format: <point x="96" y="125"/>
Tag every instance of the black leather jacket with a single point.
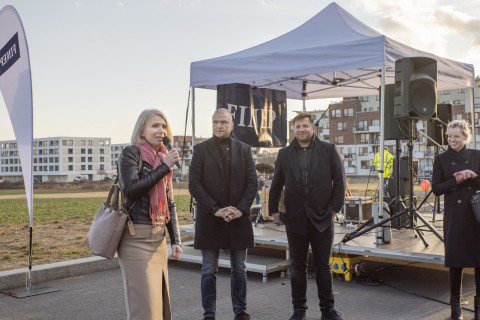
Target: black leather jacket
<point x="136" y="185"/>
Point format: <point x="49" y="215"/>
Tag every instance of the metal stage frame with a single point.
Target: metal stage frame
<point x="404" y="246"/>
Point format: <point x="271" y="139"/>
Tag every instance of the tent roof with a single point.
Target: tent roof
<point x="334" y="53"/>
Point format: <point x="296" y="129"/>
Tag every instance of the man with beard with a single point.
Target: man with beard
<point x="314" y="178"/>
<point x="223" y="181"/>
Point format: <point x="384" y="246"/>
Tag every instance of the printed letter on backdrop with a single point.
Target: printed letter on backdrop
<point x="16" y="88"/>
<point x="259" y="114"/>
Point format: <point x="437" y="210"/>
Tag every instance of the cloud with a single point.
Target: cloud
<point x="120" y="4"/>
<point x="460" y="23"/>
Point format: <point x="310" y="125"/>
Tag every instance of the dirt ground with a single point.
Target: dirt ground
<point x="58" y="242"/>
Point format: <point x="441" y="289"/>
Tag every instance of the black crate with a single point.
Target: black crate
<point x="357" y="209"/>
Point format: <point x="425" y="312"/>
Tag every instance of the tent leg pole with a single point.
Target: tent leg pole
<point x="193" y="116"/>
<point x="382" y="133"/>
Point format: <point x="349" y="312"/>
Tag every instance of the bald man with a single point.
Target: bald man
<point x="223" y="181"/>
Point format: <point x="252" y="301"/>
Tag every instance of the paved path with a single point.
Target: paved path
<point x="405" y="293"/>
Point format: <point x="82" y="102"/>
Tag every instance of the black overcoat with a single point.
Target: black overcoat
<point x="461" y="232"/>
<point x="326" y="185"/>
<point x="206" y="184"/>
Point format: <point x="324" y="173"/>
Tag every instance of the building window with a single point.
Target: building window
<point x="336" y="113"/>
<point x="89" y="167"/>
<point x="365" y="164"/>
<point x="82" y="159"/>
<point x="376" y="123"/>
<point x="83" y="151"/>
<point x="461" y="90"/>
<point x="362" y="125"/>
<point x="102" y="159"/>
<point x="70" y="168"/>
<point x="89" y="159"/>
<point x="70" y="159"/>
<point x="102" y="167"/>
<point x="89" y="151"/>
<point x="377" y="98"/>
<point x="70" y="151"/>
<point x="102" y="151"/>
<point x="364" y="99"/>
<point x="362" y="151"/>
<point x="83" y="167"/>
<point x="338" y="139"/>
<point x="90" y="142"/>
<point x="445" y="92"/>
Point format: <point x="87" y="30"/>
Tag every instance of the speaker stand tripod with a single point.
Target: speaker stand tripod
<point x="411" y="211"/>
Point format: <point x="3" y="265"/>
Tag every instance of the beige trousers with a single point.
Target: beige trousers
<point x="143" y="261"/>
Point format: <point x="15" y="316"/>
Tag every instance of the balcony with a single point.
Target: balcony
<point x="350" y="170"/>
<point x="367" y="129"/>
<point x="360" y="130"/>
<point x="349" y="156"/>
<point x="373" y="141"/>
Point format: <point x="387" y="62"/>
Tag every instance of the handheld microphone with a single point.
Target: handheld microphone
<point x="168" y="144"/>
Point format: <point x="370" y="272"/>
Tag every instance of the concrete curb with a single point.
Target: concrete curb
<point x="58" y="270"/>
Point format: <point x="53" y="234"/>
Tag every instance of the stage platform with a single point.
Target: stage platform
<point x="404" y="246"/>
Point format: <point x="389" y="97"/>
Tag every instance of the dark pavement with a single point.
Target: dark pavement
<point x="404" y="292"/>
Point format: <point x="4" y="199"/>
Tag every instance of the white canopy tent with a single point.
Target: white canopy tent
<point x="331" y="55"/>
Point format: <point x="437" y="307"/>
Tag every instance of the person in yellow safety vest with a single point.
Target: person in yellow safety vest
<point x="387" y="168"/>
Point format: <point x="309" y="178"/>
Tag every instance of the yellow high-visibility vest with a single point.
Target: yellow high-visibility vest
<point x="387" y="163"/>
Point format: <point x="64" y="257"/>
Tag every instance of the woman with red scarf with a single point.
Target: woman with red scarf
<point x="145" y="171"/>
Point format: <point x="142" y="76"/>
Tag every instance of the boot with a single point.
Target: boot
<point x="477" y="308"/>
<point x="456" y="309"/>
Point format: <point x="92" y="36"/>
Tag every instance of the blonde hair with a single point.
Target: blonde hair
<point x="463" y="126"/>
<point x="142" y="122"/>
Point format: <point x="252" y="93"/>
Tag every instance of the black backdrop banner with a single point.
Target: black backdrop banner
<point x="259" y="114"/>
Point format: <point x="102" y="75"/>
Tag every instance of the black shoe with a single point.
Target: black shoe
<point x="298" y="314"/>
<point x="208" y="318"/>
<point x="243" y="315"/>
<point x="330" y="314"/>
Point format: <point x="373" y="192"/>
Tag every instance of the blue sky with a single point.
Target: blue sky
<point x="96" y="64"/>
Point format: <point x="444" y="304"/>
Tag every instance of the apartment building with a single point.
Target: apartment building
<point x="59" y="159"/>
<point x="353" y="124"/>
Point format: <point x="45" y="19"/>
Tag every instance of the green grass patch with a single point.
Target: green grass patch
<point x="15" y="211"/>
<point x="12" y="192"/>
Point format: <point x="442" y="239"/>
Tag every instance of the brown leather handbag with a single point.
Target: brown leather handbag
<point x="107" y="227"/>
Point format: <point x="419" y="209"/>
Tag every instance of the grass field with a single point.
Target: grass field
<point x="39" y="191"/>
<point x="61" y="224"/>
<point x="59" y="229"/>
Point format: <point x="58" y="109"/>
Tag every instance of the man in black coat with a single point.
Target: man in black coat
<point x="314" y="178"/>
<point x="223" y="181"/>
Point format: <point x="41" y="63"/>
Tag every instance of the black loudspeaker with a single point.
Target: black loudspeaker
<point x="437" y="130"/>
<point x="392" y="187"/>
<point x="404" y="174"/>
<point x="415" y="88"/>
<point x="394" y="129"/>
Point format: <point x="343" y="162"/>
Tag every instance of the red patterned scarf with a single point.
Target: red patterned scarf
<point x="158" y="193"/>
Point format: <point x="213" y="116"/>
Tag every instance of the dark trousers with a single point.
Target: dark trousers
<point x="321" y="243"/>
<point x="238" y="280"/>
<point x="456" y="275"/>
